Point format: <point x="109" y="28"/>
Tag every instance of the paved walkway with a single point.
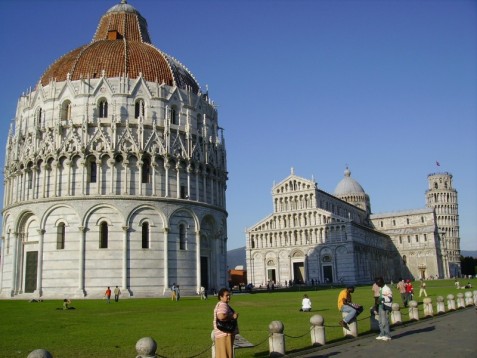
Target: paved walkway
<point x="452" y="334"/>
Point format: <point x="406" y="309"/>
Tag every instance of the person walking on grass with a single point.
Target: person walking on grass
<point x="422" y="289"/>
<point x="107" y="294"/>
<point x="117" y="292"/>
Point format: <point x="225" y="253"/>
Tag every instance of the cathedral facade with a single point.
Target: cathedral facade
<point x="115" y="174"/>
<point x="313" y="236"/>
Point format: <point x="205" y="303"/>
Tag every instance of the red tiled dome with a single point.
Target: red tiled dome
<point x="121" y="47"/>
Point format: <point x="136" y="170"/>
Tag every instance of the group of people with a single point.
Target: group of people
<point x="107" y="294"/>
<point x="406" y="290"/>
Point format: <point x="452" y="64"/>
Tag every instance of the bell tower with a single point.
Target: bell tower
<point x="442" y="197"/>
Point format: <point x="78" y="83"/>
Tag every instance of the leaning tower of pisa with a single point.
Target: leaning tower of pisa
<point x="442" y="196"/>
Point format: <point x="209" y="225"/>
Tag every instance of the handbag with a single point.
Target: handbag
<point x="226" y="326"/>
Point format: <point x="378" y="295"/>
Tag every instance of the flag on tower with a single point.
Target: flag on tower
<point x="438" y="164"/>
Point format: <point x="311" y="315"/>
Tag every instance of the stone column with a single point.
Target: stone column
<point x="82" y="164"/>
<point x="166" y="260"/>
<point x="153" y="181"/>
<point x="166" y="179"/>
<point x="99" y="176"/>
<point x="34" y="192"/>
<point x="189" y="169"/>
<point x="178" y="180"/>
<point x="139" y="165"/>
<point x="81" y="267"/>
<point x="197" y="187"/>
<point x="68" y="164"/>
<point x="124" y="283"/>
<point x="56" y="164"/>
<point x="15" y="259"/>
<point x="39" y="270"/>
<point x="197" y="257"/>
<point x="111" y="164"/>
<point x="125" y="182"/>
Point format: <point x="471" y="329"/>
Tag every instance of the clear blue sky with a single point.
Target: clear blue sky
<point x="387" y="87"/>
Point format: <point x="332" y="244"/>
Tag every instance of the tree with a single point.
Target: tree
<point x="468" y="265"/>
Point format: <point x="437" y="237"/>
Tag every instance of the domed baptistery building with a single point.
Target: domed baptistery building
<point x="115" y="174"/>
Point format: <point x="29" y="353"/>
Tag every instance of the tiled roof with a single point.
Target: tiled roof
<point x="121" y="46"/>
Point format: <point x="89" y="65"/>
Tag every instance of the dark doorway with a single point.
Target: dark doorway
<point x="299" y="272"/>
<point x="328" y="274"/>
<point x="271" y="275"/>
<point x="204" y="272"/>
<point x="30" y="271"/>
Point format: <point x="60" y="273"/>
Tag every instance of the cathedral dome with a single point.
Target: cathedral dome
<point x="121" y="46"/>
<point x="348" y="186"/>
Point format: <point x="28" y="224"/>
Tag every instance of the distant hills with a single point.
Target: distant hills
<point x="467" y="253"/>
<point x="236" y="257"/>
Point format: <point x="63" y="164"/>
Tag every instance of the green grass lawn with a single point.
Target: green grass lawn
<point x="181" y="329"/>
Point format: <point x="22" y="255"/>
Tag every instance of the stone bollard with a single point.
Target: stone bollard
<point x="146" y="348"/>
<point x="475" y="297"/>
<point x="317" y="330"/>
<point x="440" y="307"/>
<point x="396" y="317"/>
<point x="212" y="337"/>
<point x="450" y="302"/>
<point x="413" y="311"/>
<point x="40" y="353"/>
<point x="427" y="303"/>
<point x="276" y="341"/>
<point x="353" y="327"/>
<point x="469" y="301"/>
<point x="373" y="319"/>
<point x="460" y="300"/>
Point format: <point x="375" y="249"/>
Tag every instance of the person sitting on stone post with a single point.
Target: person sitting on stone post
<point x="346" y="305"/>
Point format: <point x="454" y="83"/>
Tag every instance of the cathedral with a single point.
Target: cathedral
<point x="115" y="174"/>
<point x="314" y="236"/>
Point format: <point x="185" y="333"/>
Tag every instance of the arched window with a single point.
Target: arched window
<point x="103" y="235"/>
<point x="103" y="108"/>
<point x="66" y="110"/>
<point x="139" y="108"/>
<point x="93" y="171"/>
<point x="174" y="115"/>
<point x="182" y="237"/>
<point x="146" y="170"/>
<point x="60" y="236"/>
<point x="145" y="235"/>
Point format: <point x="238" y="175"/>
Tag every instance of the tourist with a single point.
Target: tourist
<point x="305" y="304"/>
<point x="66" y="304"/>
<point x="107" y="294"/>
<point x="401" y="286"/>
<point x="422" y="289"/>
<point x="409" y="291"/>
<point x="345" y="305"/>
<point x="174" y="292"/>
<point x="117" y="292"/>
<point x="375" y="288"/>
<point x="224" y="338"/>
<point x="385" y="301"/>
